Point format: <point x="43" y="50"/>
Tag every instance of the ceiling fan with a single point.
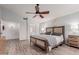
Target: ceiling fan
<point x="38" y="12"/>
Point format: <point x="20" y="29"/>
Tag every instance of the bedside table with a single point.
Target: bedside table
<point x="73" y="40"/>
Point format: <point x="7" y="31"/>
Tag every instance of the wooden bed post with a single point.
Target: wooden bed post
<point x="46" y="46"/>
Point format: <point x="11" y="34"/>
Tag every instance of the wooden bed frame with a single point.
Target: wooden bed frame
<point x="43" y="44"/>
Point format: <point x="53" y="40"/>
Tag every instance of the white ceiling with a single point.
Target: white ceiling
<point x="56" y="10"/>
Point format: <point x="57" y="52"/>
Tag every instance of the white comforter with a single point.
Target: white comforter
<point x="52" y="39"/>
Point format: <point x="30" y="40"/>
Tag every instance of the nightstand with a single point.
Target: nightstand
<point x="73" y="40"/>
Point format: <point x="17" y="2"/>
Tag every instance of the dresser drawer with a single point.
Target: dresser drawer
<point x="73" y="36"/>
<point x="75" y="45"/>
<point x="73" y="42"/>
<point x="72" y="39"/>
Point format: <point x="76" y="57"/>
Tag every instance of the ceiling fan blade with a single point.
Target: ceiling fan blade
<point x="37" y="8"/>
<point x="30" y="13"/>
<point x="41" y="16"/>
<point x="44" y="12"/>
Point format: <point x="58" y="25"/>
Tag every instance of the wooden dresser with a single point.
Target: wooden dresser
<point x="73" y="40"/>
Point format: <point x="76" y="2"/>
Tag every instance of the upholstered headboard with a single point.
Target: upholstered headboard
<point x="57" y="30"/>
<point x="49" y="29"/>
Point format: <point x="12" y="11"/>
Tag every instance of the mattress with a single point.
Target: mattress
<point x="53" y="40"/>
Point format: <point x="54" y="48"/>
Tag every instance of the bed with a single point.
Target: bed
<point x="53" y="37"/>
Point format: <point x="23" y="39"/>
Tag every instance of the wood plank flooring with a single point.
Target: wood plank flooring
<point x="22" y="47"/>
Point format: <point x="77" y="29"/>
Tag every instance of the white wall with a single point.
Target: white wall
<point x="11" y="30"/>
<point x="11" y="24"/>
<point x="23" y="30"/>
<point x="34" y="24"/>
<point x="45" y="24"/>
<point x="9" y="16"/>
<point x="0" y="20"/>
<point x="0" y="27"/>
<point x="66" y="21"/>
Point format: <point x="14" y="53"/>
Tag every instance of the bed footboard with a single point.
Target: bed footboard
<point x="43" y="44"/>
